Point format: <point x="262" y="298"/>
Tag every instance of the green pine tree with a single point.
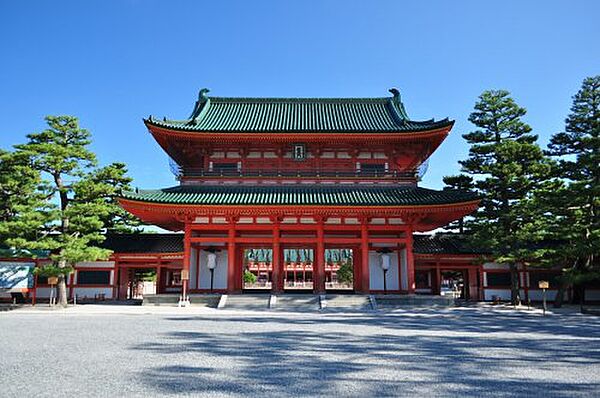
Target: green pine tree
<point x="575" y="203"/>
<point x="507" y="167"/>
<point x="460" y="182"/>
<point x="79" y="199"/>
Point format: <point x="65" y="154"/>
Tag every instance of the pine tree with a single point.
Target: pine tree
<point x="576" y="204"/>
<point x="21" y="196"/>
<point x="507" y="166"/>
<point x="460" y="182"/>
<point x="73" y="227"/>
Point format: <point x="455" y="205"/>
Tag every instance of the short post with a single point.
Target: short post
<point x="52" y="281"/>
<point x="184" y="300"/>
<point x="543" y="285"/>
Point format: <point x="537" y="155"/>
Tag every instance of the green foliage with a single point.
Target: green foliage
<point x="67" y="202"/>
<point x="505" y="167"/>
<point x="249" y="277"/>
<point x="574" y="203"/>
<point x="462" y="183"/>
<point x="53" y="270"/>
<point x="22" y="194"/>
<point x="345" y="274"/>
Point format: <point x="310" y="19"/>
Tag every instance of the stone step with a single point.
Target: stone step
<point x="161" y="299"/>
<point x="295" y="302"/>
<point x="201" y="300"/>
<point x="346" y="302"/>
<point x="395" y="301"/>
<point x="249" y="302"/>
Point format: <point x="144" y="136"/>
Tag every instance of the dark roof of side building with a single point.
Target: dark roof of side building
<point x="173" y="243"/>
<point x="144" y="243"/>
<point x="449" y="243"/>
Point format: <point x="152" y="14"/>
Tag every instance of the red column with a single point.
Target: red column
<point x="473" y="293"/>
<point x="158" y="278"/>
<point x="319" y="267"/>
<point x="438" y="279"/>
<point x="410" y="262"/>
<point x="364" y="250"/>
<point x="232" y="283"/>
<point x="185" y="275"/>
<point x="277" y="275"/>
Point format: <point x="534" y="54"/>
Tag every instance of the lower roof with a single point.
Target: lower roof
<point x="316" y="195"/>
<point x="173" y="243"/>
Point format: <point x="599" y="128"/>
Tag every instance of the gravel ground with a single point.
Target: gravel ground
<point x="441" y="352"/>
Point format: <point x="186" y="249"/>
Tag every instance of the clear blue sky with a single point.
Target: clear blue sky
<point x="112" y="63"/>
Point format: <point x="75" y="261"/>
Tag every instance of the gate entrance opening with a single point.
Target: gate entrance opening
<point x="298" y="266"/>
<point x="141" y="281"/>
<point x="454" y="283"/>
<point x="339" y="269"/>
<point x="258" y="269"/>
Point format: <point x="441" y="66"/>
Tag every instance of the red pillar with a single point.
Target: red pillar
<point x="473" y="293"/>
<point x="185" y="274"/>
<point x="438" y="279"/>
<point x="232" y="283"/>
<point x="158" y="278"/>
<point x="364" y="250"/>
<point x="410" y="263"/>
<point x="319" y="267"/>
<point x="277" y="274"/>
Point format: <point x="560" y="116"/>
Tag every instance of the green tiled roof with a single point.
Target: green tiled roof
<point x="220" y="114"/>
<point x="321" y="195"/>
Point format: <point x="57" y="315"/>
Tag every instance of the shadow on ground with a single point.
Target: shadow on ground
<point x="427" y="352"/>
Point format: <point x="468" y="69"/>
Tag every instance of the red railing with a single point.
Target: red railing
<point x="299" y="173"/>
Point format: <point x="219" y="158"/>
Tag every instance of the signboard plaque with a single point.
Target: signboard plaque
<point x="544" y="284"/>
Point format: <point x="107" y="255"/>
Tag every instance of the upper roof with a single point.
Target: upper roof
<point x="319" y="195"/>
<point x="222" y="114"/>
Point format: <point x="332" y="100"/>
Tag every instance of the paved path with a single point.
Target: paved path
<point x="443" y="352"/>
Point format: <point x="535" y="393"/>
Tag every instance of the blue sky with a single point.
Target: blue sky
<point x="112" y="63"/>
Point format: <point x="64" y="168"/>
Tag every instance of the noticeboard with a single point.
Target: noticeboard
<point x="543" y="284"/>
<point x="185" y="275"/>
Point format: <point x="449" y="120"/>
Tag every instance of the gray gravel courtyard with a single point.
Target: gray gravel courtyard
<point x="442" y="352"/>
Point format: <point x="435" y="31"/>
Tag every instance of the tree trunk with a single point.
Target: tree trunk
<point x="61" y="298"/>
<point x="560" y="295"/>
<point x="514" y="285"/>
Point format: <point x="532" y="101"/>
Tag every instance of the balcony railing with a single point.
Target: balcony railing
<point x="303" y="173"/>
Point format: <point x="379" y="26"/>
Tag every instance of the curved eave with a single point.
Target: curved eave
<point x="158" y="128"/>
<point x="421" y="217"/>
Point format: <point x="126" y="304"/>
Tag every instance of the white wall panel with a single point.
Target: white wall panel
<point x="376" y="273"/>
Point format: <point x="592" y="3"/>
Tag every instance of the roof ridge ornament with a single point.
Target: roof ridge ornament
<point x="198" y="106"/>
<point x="397" y="101"/>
